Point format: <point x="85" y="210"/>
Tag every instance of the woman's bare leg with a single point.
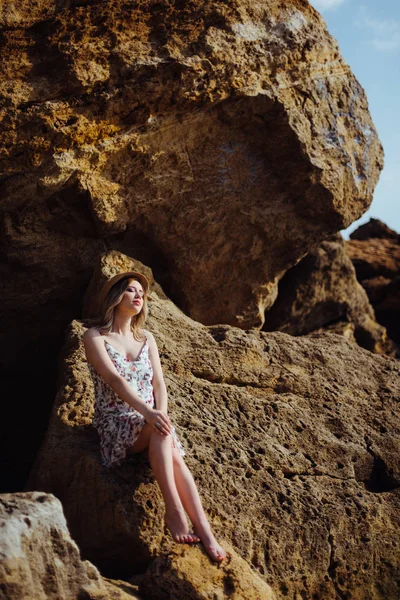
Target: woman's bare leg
<point x="191" y="501"/>
<point x="179" y="491"/>
<point x="160" y="457"/>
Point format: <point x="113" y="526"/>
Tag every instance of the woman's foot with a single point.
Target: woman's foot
<point x="211" y="546"/>
<point x="176" y="522"/>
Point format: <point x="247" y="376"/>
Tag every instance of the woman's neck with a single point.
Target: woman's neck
<point x="122" y="326"/>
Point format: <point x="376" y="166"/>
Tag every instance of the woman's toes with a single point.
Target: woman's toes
<point x="215" y="553"/>
<point x="187" y="538"/>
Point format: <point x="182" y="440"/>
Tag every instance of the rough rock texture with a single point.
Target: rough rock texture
<point x="214" y="141"/>
<point x="374" y="229"/>
<point x="375" y="251"/>
<point x="38" y="558"/>
<point x="322" y="290"/>
<point x="215" y="129"/>
<point x="294" y="443"/>
<point x="184" y="572"/>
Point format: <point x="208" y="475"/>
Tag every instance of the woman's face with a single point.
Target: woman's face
<point x="132" y="298"/>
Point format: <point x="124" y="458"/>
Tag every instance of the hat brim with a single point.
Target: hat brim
<point x="125" y="275"/>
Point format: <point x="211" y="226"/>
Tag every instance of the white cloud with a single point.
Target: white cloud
<point x="386" y="33"/>
<point x="326" y="4"/>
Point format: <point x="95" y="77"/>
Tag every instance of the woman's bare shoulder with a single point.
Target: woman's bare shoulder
<point x="149" y="335"/>
<point x="91" y="333"/>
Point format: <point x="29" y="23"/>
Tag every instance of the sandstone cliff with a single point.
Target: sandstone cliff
<point x="217" y="142"/>
<point x="294" y="443"/>
<point x="322" y="293"/>
<point x="375" y="251"/>
<point x="39" y="560"/>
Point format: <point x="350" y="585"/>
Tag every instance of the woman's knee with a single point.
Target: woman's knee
<point x="158" y="438"/>
<point x="177" y="457"/>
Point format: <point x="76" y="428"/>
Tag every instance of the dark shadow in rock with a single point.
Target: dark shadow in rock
<point x="380" y="480"/>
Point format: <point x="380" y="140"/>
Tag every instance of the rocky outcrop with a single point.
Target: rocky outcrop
<point x="184" y="572"/>
<point x="215" y="142"/>
<point x="376" y="229"/>
<point x="375" y="251"/>
<point x="39" y="560"/>
<point x="293" y="441"/>
<point x="321" y="292"/>
<point x="190" y="133"/>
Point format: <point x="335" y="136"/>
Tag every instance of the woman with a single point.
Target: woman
<point x="131" y="404"/>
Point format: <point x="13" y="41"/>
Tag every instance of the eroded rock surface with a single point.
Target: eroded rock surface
<point x="38" y="558"/>
<point x="185" y="572"/>
<point x="322" y="291"/>
<point x="214" y="129"/>
<point x="294" y="443"/>
<point x="215" y="142"/>
<point x="375" y="251"/>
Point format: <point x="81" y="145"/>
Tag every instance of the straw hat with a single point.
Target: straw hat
<point x="125" y="275"/>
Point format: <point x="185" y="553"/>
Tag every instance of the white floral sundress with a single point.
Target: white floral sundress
<point x="117" y="423"/>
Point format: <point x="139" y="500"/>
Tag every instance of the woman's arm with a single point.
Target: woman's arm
<point x="160" y="389"/>
<point x="98" y="357"/>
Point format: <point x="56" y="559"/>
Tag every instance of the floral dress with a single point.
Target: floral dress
<point x="117" y="423"/>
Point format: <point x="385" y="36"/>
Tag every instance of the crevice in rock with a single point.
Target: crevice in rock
<point x="291" y="474"/>
<point x="219" y="332"/>
<point x="217" y="378"/>
<point x="379" y="479"/>
<point x="333" y="565"/>
<point x="375" y="474"/>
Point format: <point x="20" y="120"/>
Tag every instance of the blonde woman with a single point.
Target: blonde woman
<point x="131" y="410"/>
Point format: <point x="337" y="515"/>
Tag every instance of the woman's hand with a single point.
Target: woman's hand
<point x="159" y="420"/>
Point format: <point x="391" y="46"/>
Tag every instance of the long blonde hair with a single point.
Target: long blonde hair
<point x="106" y="315"/>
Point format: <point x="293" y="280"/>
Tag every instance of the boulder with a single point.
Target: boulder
<point x="322" y="291"/>
<point x="216" y="142"/>
<point x="183" y="572"/>
<point x="376" y="229"/>
<point x="183" y="135"/>
<point x="38" y="558"/>
<point x="374" y="249"/>
<point x="293" y="442"/>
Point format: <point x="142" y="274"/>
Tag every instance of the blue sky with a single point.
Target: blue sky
<point x="368" y="33"/>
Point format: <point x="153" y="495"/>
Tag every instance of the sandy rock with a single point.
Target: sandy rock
<point x="38" y="558"/>
<point x="321" y="291"/>
<point x="24" y="13"/>
<point x="374" y="257"/>
<point x="211" y="130"/>
<point x="374" y="229"/>
<point x="182" y="572"/>
<point x="216" y="142"/>
<point x="294" y="443"/>
<point x="343" y="328"/>
<point x="375" y="251"/>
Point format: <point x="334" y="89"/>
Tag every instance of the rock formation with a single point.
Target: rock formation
<point x="293" y="441"/>
<point x="322" y="291"/>
<point x="375" y="251"/>
<point x="39" y="560"/>
<point x="191" y="132"/>
<point x="375" y="229"/>
<point x="184" y="572"/>
<point x="215" y="142"/>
